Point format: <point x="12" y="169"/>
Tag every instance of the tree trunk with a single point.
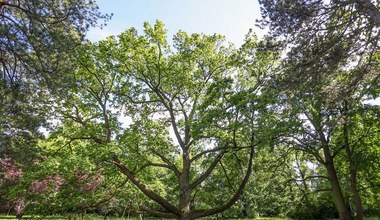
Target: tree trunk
<point x="352" y="167"/>
<point x="19" y="216"/>
<point x="344" y="213"/>
<point x="184" y="189"/>
<point x="336" y="190"/>
<point x="357" y="198"/>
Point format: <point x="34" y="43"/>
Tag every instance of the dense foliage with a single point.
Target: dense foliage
<point x="36" y="38"/>
<point x="278" y="127"/>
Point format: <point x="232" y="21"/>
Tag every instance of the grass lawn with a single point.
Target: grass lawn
<point x="67" y="217"/>
<point x="94" y="217"/>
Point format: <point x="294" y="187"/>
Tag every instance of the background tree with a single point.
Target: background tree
<point x="333" y="49"/>
<point x="324" y="130"/>
<point x="324" y="36"/>
<point x="36" y="39"/>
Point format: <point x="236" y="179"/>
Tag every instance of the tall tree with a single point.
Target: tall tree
<point x="323" y="36"/>
<point x="192" y="123"/>
<point x="36" y="39"/>
<point x="329" y="132"/>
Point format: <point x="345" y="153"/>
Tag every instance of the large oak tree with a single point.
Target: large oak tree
<point x="194" y="115"/>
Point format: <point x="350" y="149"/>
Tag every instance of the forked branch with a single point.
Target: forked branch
<point x="149" y="193"/>
<point x="234" y="198"/>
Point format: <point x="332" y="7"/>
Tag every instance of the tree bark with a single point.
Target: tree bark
<point x="355" y="193"/>
<point x="185" y="189"/>
<point x="336" y="190"/>
<point x="352" y="168"/>
<point x="149" y="193"/>
<point x="344" y="213"/>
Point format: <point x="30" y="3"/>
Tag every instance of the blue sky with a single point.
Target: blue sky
<point x="231" y="18"/>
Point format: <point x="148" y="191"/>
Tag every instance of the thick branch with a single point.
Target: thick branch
<point x="187" y="126"/>
<point x="169" y="107"/>
<point x="175" y="129"/>
<point x="107" y="126"/>
<point x="169" y="163"/>
<point x="196" y="157"/>
<point x="208" y="171"/>
<point x="235" y="197"/>
<point x="158" y="214"/>
<point x="152" y="195"/>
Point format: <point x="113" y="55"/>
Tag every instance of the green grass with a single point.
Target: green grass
<point x="66" y="217"/>
<point x="95" y="217"/>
